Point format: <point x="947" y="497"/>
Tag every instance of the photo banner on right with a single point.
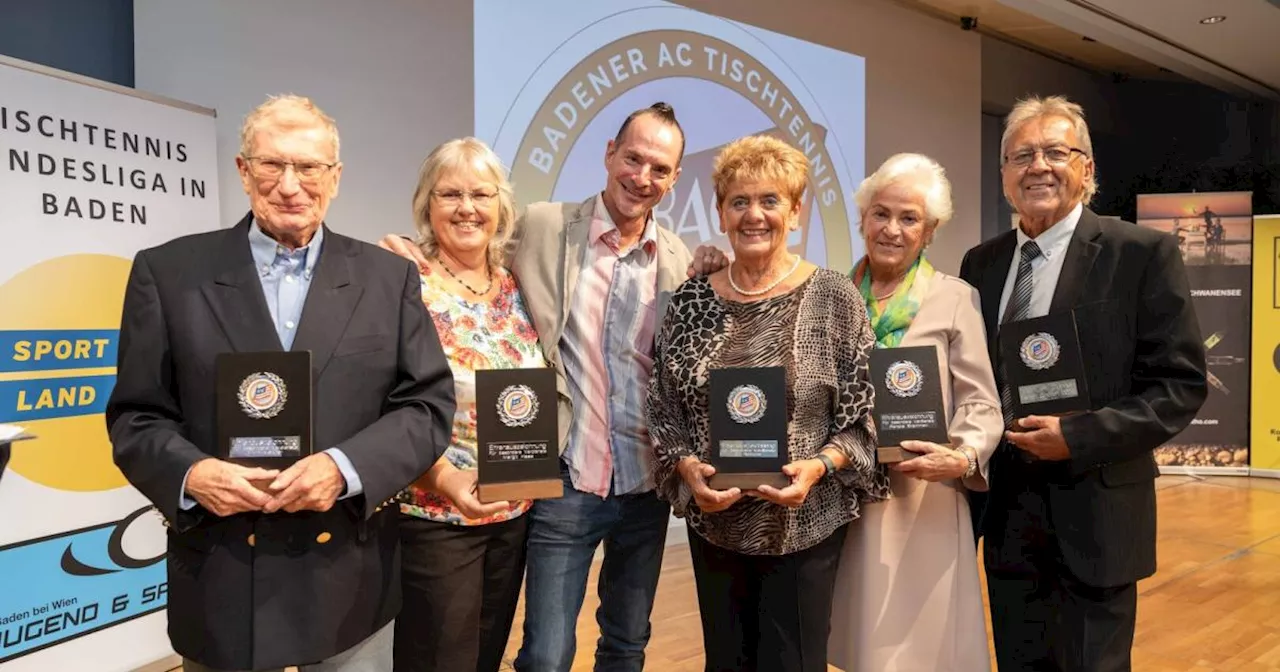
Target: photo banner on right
<point x="1215" y="235"/>
<point x="1264" y="454"/>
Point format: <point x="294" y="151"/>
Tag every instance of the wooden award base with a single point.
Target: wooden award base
<point x="510" y="492"/>
<point x="749" y="481"/>
<point x="894" y="454"/>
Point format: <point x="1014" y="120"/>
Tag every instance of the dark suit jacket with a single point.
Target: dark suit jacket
<point x="1145" y="365"/>
<point x="253" y="590"/>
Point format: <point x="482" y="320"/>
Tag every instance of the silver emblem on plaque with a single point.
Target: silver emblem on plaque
<point x="747" y="404"/>
<point x="263" y="395"/>
<point x="904" y="379"/>
<point x="517" y="406"/>
<point x="1040" y="350"/>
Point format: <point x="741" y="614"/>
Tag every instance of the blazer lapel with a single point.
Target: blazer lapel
<point x="1081" y="253"/>
<point x="235" y="295"/>
<point x="330" y="303"/>
<point x="993" y="281"/>
<point x="575" y="246"/>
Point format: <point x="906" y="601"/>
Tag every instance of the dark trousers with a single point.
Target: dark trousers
<point x="1042" y="617"/>
<point x="766" y="613"/>
<point x="461" y="585"/>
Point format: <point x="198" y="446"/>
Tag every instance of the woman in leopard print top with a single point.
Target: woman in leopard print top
<point x="765" y="559"/>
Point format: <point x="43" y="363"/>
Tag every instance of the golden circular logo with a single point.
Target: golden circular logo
<point x="621" y="66"/>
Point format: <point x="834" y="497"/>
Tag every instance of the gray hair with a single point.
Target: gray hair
<point x="287" y="111"/>
<point x="1035" y="107"/>
<point x="464" y="154"/>
<point x="918" y="171"/>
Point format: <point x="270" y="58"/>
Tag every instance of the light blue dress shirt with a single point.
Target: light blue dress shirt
<point x="286" y="278"/>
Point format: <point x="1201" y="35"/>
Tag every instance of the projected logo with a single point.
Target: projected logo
<point x="724" y="83"/>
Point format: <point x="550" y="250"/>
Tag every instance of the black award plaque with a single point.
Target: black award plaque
<point x="1043" y="366"/>
<point x="908" y="400"/>
<point x="517" y="437"/>
<point x="748" y="409"/>
<point x="264" y="408"/>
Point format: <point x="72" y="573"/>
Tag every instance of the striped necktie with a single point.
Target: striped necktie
<point x="1019" y="306"/>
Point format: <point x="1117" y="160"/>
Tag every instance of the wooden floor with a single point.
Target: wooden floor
<point x="1214" y="604"/>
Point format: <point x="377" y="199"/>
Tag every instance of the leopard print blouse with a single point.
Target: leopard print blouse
<point x="819" y="333"/>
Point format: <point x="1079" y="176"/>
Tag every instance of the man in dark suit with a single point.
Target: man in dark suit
<point x="270" y="568"/>
<point x="1070" y="524"/>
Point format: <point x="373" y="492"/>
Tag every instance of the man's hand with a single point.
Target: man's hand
<point x="803" y="473"/>
<point x="1042" y="438"/>
<point x="223" y="488"/>
<point x="695" y="472"/>
<point x="403" y="247"/>
<point x="707" y="260"/>
<point x="311" y="484"/>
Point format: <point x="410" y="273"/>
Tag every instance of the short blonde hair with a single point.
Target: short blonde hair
<point x="1036" y="107"/>
<point x="915" y="171"/>
<point x="464" y="154"/>
<point x="763" y="158"/>
<point x="287" y="111"/>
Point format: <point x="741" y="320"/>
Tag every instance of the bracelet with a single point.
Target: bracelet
<point x="827" y="462"/>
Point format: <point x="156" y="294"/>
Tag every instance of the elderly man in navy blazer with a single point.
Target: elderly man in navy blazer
<point x="269" y="569"/>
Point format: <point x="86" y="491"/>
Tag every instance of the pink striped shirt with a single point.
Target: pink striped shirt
<point x="607" y="350"/>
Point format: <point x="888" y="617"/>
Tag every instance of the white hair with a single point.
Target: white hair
<point x="915" y="171"/>
<point x="1035" y="107"/>
<point x="287" y="111"/>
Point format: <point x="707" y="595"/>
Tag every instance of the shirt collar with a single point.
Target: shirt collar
<point x="1054" y="240"/>
<point x="602" y="225"/>
<point x="266" y="250"/>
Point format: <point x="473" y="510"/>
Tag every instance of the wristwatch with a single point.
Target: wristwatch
<point x="971" y="455"/>
<point x="831" y="466"/>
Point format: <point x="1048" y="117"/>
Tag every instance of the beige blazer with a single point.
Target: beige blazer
<point x="548" y="246"/>
<point x="908" y="597"/>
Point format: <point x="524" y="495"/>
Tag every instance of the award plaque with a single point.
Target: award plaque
<point x="264" y="408"/>
<point x="517" y="435"/>
<point x="908" y="400"/>
<point x="1043" y="366"/>
<point x="748" y="409"/>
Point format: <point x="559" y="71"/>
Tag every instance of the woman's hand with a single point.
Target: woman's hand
<point x="936" y="462"/>
<point x="403" y="247"/>
<point x="695" y="472"/>
<point x="460" y="488"/>
<point x="803" y="473"/>
<point x="707" y="260"/>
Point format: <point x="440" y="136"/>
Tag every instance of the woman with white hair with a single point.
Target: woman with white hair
<point x="907" y="593"/>
<point x="463" y="560"/>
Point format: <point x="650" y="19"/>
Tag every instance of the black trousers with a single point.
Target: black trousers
<point x="461" y="585"/>
<point x="764" y="613"/>
<point x="1042" y="617"/>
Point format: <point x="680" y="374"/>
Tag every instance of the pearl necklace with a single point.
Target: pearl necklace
<point x="767" y="288"/>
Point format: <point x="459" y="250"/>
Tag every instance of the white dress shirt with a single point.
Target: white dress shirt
<point x="1045" y="268"/>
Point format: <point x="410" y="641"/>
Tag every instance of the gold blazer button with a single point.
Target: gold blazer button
<point x="251" y="540"/>
<point x="323" y="538"/>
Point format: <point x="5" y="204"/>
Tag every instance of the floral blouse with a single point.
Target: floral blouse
<point x="493" y="335"/>
<point x="818" y="333"/>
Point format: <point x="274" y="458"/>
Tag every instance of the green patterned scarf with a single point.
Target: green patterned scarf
<point x="891" y="324"/>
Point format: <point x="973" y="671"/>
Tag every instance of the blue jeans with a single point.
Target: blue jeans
<point x="563" y="536"/>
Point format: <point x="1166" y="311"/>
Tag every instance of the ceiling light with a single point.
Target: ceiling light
<point x="1208" y="20"/>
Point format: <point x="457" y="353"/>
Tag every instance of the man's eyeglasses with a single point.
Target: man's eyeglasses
<point x="272" y="169"/>
<point x="1054" y="156"/>
<point x="454" y="197"/>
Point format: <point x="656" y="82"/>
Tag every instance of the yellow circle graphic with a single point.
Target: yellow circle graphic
<point x="81" y="291"/>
